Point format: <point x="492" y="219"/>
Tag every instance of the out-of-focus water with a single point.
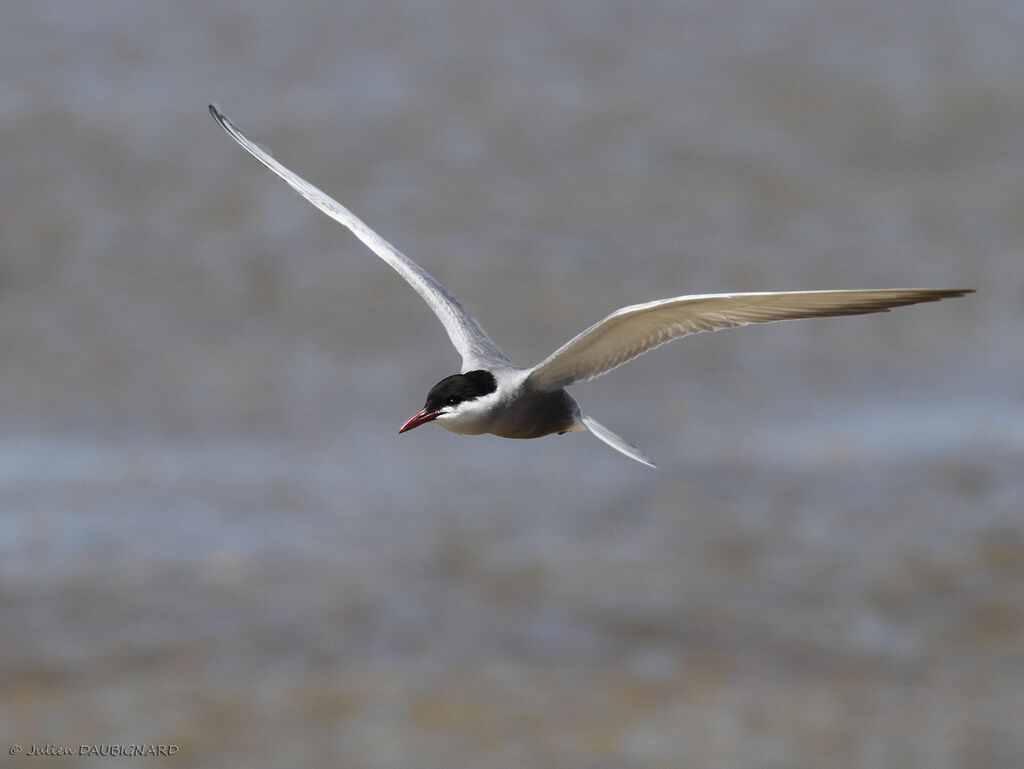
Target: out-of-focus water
<point x="210" y="535"/>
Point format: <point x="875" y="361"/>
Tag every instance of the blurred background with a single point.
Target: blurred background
<point x="211" y="535"/>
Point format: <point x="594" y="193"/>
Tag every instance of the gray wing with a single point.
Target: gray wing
<point x="634" y="330"/>
<point x="475" y="347"/>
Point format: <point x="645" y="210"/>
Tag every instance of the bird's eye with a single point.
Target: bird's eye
<point x="453" y="400"/>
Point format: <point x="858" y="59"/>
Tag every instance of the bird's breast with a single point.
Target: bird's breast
<point x="536" y="414"/>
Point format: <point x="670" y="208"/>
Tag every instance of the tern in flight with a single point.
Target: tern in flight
<point x="493" y="395"/>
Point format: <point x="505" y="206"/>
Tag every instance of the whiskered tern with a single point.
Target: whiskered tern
<point x="493" y="395"/>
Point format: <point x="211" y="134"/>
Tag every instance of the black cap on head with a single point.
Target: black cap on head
<point x="457" y="388"/>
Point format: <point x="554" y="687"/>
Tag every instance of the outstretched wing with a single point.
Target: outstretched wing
<point x="475" y="347"/>
<point x="634" y="330"/>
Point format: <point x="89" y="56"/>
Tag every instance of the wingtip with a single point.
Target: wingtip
<point x="218" y="115"/>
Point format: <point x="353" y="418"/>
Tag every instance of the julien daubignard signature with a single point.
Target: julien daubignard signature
<point x="137" y="751"/>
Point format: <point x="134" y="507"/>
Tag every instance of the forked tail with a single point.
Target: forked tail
<point x="617" y="443"/>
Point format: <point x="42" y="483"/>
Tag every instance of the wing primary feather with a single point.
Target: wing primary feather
<point x="634" y="330"/>
<point x="469" y="339"/>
